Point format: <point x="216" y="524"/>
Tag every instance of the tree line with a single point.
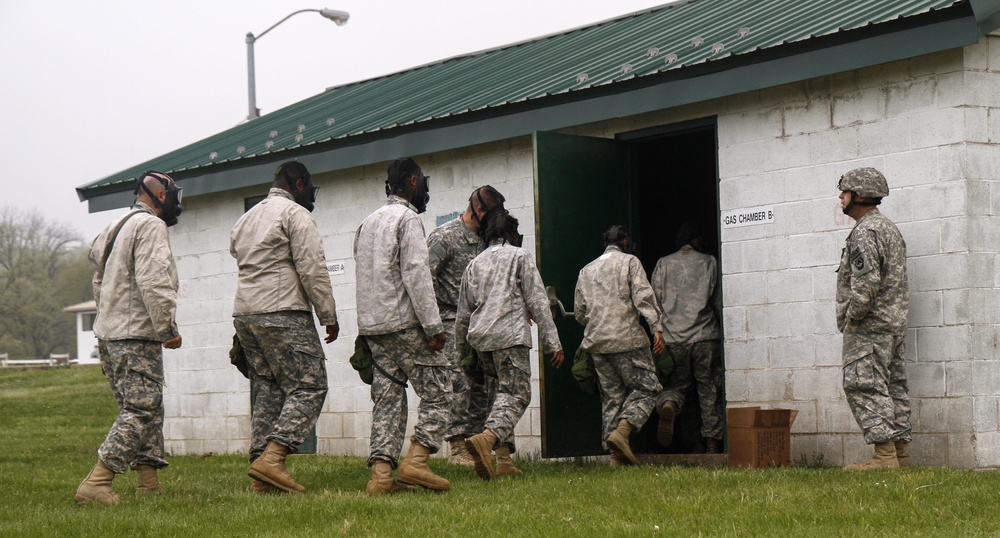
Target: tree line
<point x="43" y="269"/>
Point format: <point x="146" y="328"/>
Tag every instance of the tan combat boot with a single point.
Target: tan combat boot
<point x="619" y="440"/>
<point x="262" y="488"/>
<point x="382" y="480"/>
<point x="459" y="455"/>
<point x="665" y="430"/>
<point x="505" y="465"/>
<point x="903" y="454"/>
<point x="146" y="481"/>
<point x="414" y="469"/>
<point x="884" y="458"/>
<point x="480" y="447"/>
<point x="270" y="468"/>
<point x="617" y="458"/>
<point x="96" y="488"/>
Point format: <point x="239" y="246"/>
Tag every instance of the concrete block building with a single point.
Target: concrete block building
<point x="737" y="115"/>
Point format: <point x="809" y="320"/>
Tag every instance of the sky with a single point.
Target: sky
<point x="88" y="89"/>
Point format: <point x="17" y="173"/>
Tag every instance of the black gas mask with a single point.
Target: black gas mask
<point x="419" y="196"/>
<point x="478" y="194"/>
<point x="307" y="196"/>
<point x="171" y="207"/>
<point x="617" y="235"/>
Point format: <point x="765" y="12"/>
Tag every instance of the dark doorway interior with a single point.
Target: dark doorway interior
<point x="675" y="178"/>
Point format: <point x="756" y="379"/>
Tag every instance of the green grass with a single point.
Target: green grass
<point x="51" y="422"/>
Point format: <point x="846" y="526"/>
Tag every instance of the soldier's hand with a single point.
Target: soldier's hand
<point x="437" y="342"/>
<point x="557" y="359"/>
<point x="173" y="343"/>
<point x="331" y="332"/>
<point x="659" y="344"/>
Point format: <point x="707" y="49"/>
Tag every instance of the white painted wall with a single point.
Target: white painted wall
<point x="931" y="124"/>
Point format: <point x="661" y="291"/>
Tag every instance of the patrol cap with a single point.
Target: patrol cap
<point x="867" y="182"/>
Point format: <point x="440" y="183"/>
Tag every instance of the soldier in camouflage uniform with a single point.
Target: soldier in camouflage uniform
<point x="501" y="291"/>
<point x="611" y="293"/>
<point x="872" y="305"/>
<point x="135" y="287"/>
<point x="450" y="248"/>
<point x="282" y="278"/>
<point x="398" y="317"/>
<point x="685" y="286"/>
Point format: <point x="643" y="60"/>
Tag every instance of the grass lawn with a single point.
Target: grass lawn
<point x="52" y="421"/>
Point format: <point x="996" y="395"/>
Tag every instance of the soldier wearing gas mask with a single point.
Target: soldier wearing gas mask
<point x="135" y="287"/>
<point x="399" y="320"/>
<point x="611" y="293"/>
<point x="282" y="278"/>
<point x="872" y="306"/>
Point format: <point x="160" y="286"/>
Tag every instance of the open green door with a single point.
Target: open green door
<point x="582" y="187"/>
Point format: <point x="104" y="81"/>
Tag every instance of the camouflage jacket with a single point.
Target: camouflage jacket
<point x="282" y="265"/>
<point x="500" y="288"/>
<point x="136" y="292"/>
<point x="394" y="286"/>
<point x="611" y="292"/>
<point x="685" y="284"/>
<point x="871" y="282"/>
<point x="450" y="248"/>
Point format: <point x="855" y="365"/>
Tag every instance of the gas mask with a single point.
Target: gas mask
<point x="482" y="203"/>
<point x="171" y="207"/>
<point x="307" y="196"/>
<point x="617" y="235"/>
<point x="420" y="196"/>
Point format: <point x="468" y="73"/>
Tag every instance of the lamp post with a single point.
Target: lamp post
<point x="339" y="17"/>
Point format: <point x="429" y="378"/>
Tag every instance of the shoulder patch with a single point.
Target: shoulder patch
<point x="859" y="265"/>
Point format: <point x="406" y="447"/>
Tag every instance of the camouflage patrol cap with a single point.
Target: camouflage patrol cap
<point x="867" y="182"/>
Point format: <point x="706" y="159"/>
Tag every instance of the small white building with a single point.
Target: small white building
<point x="86" y="342"/>
<point x="697" y="110"/>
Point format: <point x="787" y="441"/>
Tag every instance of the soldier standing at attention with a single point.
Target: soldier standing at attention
<point x="872" y="305"/>
<point x="398" y="317"/>
<point x="282" y="278"/>
<point x="611" y="293"/>
<point x="501" y="292"/>
<point x="135" y="287"/>
<point x="450" y="248"/>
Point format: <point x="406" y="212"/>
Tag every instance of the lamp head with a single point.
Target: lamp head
<point x="337" y="16"/>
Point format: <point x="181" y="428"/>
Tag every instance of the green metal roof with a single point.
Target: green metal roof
<point x="671" y="42"/>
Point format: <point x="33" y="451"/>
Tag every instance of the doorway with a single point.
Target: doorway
<point x="652" y="181"/>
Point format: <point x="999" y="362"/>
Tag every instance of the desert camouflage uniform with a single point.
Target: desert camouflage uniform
<point x="282" y="277"/>
<point x="611" y="293"/>
<point x="685" y="284"/>
<point x="397" y="315"/>
<point x="500" y="289"/>
<point x="450" y="248"/>
<point x="136" y="295"/>
<point x="872" y="294"/>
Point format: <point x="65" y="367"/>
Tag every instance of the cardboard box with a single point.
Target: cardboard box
<point x="759" y="438"/>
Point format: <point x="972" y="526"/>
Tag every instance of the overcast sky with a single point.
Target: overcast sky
<point x="91" y="88"/>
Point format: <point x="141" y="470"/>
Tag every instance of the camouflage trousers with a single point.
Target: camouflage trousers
<point x="134" y="369"/>
<point x="629" y="388"/>
<point x="875" y="385"/>
<point x="700" y="364"/>
<point x="404" y="355"/>
<point x="288" y="374"/>
<point x="513" y="391"/>
<point x="470" y="402"/>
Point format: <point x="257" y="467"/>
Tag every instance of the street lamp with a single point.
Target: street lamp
<point x="339" y="17"/>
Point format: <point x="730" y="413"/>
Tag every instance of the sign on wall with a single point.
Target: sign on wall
<point x="748" y="217"/>
<point x="336" y="268"/>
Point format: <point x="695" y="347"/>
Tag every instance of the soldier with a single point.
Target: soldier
<point x="451" y="247"/>
<point x="399" y="319"/>
<point x="501" y="291"/>
<point x="282" y="278"/>
<point x="872" y="305"/>
<point x="611" y="293"/>
<point x="685" y="286"/>
<point x="135" y="287"/>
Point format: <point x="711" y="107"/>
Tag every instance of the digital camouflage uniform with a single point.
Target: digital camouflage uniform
<point x="282" y="278"/>
<point x="450" y="248"/>
<point x="136" y="295"/>
<point x="872" y="294"/>
<point x="685" y="284"/>
<point x="611" y="293"/>
<point x="398" y="315"/>
<point x="500" y="289"/>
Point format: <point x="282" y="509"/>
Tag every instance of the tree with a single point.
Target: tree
<point x="42" y="264"/>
